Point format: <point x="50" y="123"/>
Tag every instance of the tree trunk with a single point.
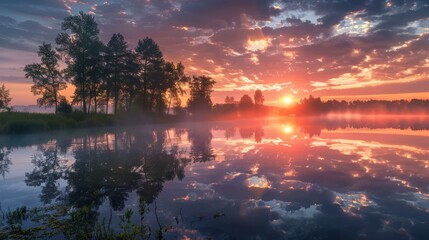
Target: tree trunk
<point x="107" y="101"/>
<point x="145" y="86"/>
<point x="169" y="103"/>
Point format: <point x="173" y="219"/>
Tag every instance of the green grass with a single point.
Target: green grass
<point x="19" y="123"/>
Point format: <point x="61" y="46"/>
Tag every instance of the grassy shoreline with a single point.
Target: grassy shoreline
<point x="20" y="122"/>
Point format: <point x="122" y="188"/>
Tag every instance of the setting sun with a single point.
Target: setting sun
<point x="288" y="100"/>
<point x="288" y="129"/>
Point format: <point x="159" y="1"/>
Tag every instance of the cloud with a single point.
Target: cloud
<point x="350" y="45"/>
<point x="45" y="9"/>
<point x="25" y="35"/>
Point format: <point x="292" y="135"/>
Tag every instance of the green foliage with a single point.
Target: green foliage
<point x="4" y="98"/>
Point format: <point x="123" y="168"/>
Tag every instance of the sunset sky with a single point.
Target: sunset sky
<point x="343" y="49"/>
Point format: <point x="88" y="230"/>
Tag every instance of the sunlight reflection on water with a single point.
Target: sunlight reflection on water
<point x="293" y="178"/>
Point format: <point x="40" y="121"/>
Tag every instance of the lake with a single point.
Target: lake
<point x="345" y="178"/>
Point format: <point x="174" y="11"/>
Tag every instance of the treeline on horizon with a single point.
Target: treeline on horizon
<point x="315" y="106"/>
<point x="137" y="79"/>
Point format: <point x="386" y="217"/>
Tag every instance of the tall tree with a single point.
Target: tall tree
<point x="131" y="84"/>
<point x="150" y="57"/>
<point x="47" y="77"/>
<point x="117" y="55"/>
<point x="176" y="79"/>
<point x="201" y="89"/>
<point x="259" y="97"/>
<point x="4" y="98"/>
<point x="81" y="46"/>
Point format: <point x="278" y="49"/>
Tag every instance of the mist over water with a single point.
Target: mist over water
<point x="293" y="178"/>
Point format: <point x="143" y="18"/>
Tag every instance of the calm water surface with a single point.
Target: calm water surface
<point x="255" y="179"/>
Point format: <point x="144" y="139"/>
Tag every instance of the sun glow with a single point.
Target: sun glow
<point x="288" y="129"/>
<point x="288" y="100"/>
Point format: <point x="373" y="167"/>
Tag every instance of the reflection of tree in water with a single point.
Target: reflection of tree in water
<point x="314" y="126"/>
<point x="259" y="133"/>
<point x="5" y="161"/>
<point x="138" y="161"/>
<point x="48" y="169"/>
<point x="230" y="132"/>
<point x="200" y="137"/>
<point x="159" y="164"/>
<point x="246" y="132"/>
<point x="110" y="166"/>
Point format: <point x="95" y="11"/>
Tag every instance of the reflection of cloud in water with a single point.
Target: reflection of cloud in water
<point x="285" y="210"/>
<point x="352" y="202"/>
<point x="331" y="185"/>
<point x="258" y="182"/>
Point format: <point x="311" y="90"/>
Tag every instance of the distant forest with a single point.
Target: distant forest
<point x="315" y="106"/>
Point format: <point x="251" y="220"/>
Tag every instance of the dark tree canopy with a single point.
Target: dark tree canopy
<point x="47" y="77"/>
<point x="201" y="89"/>
<point x="112" y="74"/>
<point x="259" y="97"/>
<point x="246" y="102"/>
<point x="121" y="70"/>
<point x="82" y="47"/>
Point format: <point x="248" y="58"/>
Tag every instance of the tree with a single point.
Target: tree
<point x="246" y="102"/>
<point x="117" y="55"/>
<point x="4" y="98"/>
<point x="47" y="77"/>
<point x="176" y="78"/>
<point x="82" y="50"/>
<point x="149" y="56"/>
<point x="201" y="89"/>
<point x="131" y="84"/>
<point x="259" y="97"/>
<point x="229" y="100"/>
<point x="64" y="107"/>
<point x="96" y="74"/>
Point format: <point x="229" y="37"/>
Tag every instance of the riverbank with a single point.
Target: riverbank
<point x="18" y="122"/>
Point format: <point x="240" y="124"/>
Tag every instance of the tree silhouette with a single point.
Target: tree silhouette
<point x="229" y="100"/>
<point x="149" y="55"/>
<point x="246" y="102"/>
<point x="259" y="97"/>
<point x="117" y="61"/>
<point x="4" y="98"/>
<point x="47" y="78"/>
<point x="176" y="78"/>
<point x="200" y="99"/>
<point x="64" y="107"/>
<point x="82" y="50"/>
